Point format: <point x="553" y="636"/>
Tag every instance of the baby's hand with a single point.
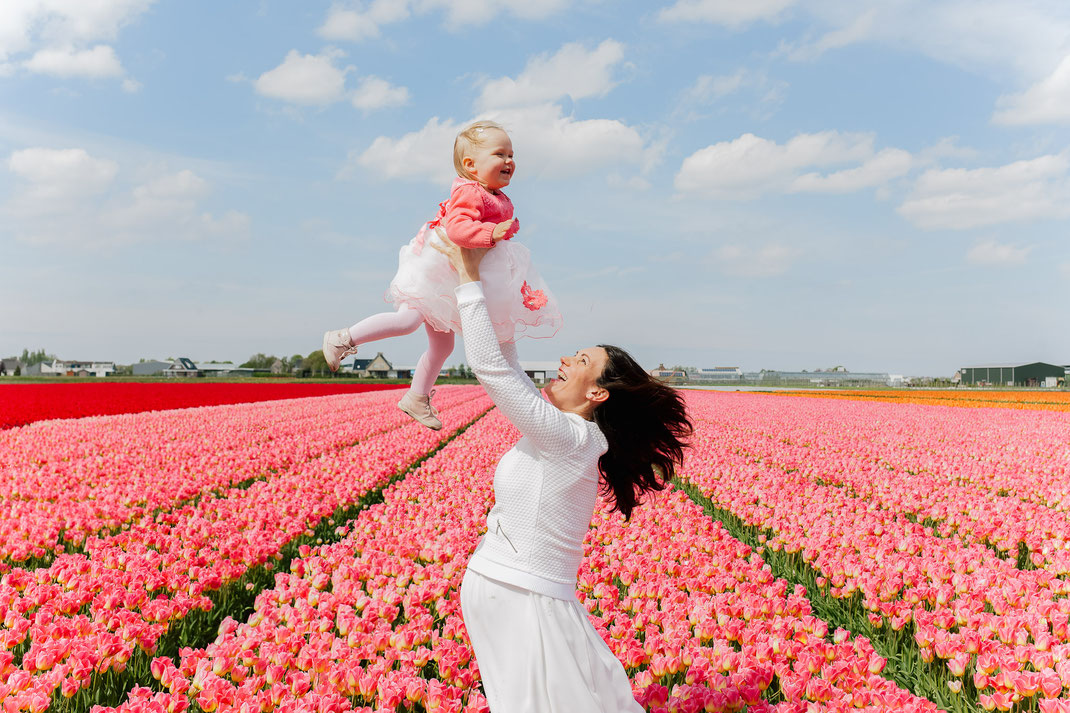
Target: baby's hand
<point x="501" y="229"/>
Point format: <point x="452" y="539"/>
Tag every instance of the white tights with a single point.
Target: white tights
<point x="405" y="321"/>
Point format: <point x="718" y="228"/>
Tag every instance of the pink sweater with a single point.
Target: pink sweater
<point x="470" y="214"/>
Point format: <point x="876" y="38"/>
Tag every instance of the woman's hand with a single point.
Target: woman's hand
<point x="464" y="260"/>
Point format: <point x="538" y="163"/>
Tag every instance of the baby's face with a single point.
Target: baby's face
<point x="492" y="162"/>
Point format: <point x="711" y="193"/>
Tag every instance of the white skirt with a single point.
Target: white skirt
<point x="538" y="654"/>
<point x="519" y="302"/>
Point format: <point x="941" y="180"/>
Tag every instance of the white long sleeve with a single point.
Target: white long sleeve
<point x="546" y="486"/>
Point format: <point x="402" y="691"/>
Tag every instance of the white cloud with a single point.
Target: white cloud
<point x="315" y="80"/>
<point x="768" y="260"/>
<point x="750" y="165"/>
<point x="55" y="175"/>
<point x="374" y="93"/>
<point x="572" y="71"/>
<point x="548" y="145"/>
<point x="989" y="252"/>
<point x="876" y="171"/>
<point x="1046" y="102"/>
<point x="65" y="39"/>
<point x="762" y="93"/>
<point x="100" y="61"/>
<point x="731" y="13"/>
<point x="1024" y="39"/>
<point x="351" y="22"/>
<point x="345" y="23"/>
<point x="947" y="147"/>
<point x="418" y="154"/>
<point x="304" y="79"/>
<point x="68" y="197"/>
<point x="960" y="198"/>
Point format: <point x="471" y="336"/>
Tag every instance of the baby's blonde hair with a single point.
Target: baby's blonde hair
<point x="472" y="136"/>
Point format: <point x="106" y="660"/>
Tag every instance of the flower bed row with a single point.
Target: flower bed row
<point x="1033" y="400"/>
<point x="1009" y="494"/>
<point x="63" y="481"/>
<point x="153" y="585"/>
<point x="373" y="622"/>
<point x="966" y="626"/>
<point x="25" y="403"/>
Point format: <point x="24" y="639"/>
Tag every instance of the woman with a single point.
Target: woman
<point x="604" y="420"/>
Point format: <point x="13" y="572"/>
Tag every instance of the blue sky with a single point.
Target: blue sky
<point x="771" y="184"/>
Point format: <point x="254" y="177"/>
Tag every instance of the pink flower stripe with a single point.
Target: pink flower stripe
<point x="988" y="477"/>
<point x="67" y="480"/>
<point x="88" y="613"/>
<point x="372" y="623"/>
<point x="25" y="403"/>
<point x="790" y="471"/>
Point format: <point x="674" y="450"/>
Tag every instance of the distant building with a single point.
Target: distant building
<point x="360" y="366"/>
<point x="840" y="379"/>
<point x="1035" y="373"/>
<point x="540" y="371"/>
<point x="716" y="374"/>
<point x="149" y="368"/>
<point x="72" y="367"/>
<point x="378" y="368"/>
<point x="212" y="368"/>
<point x="669" y="376"/>
<point x="183" y="368"/>
<point x="8" y="366"/>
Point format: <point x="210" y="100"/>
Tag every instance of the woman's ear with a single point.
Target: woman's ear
<point x="597" y="395"/>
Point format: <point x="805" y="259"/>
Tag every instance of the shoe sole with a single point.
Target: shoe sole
<point x="334" y="369"/>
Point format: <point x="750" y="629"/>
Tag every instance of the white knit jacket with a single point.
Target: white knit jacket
<point x="546" y="486"/>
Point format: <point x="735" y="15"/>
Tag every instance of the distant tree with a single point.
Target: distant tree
<point x="3" y="369"/>
<point x="259" y="362"/>
<point x="315" y="364"/>
<point x="293" y="362"/>
<point x="30" y="358"/>
<point x="18" y="370"/>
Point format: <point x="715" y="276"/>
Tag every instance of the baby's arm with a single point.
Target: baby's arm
<point x="464" y="221"/>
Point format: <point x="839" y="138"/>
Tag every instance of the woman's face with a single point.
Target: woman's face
<point x="576" y="387"/>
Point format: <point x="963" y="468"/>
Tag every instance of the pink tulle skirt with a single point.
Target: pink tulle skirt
<point x="518" y="301"/>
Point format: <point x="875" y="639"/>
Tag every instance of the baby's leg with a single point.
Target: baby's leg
<point x="385" y="325"/>
<point x="340" y="343"/>
<point x="439" y="348"/>
<point x="417" y="401"/>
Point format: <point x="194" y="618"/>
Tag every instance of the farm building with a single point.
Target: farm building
<point x="669" y="376"/>
<point x="715" y="374"/>
<point x="59" y="367"/>
<point x="150" y="368"/>
<point x="1037" y="373"/>
<point x="540" y="371"/>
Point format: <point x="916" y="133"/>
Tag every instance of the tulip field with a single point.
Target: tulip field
<point x="306" y="554"/>
<point x="24" y="403"/>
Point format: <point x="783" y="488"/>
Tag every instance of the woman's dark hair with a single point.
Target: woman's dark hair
<point x="645" y="423"/>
